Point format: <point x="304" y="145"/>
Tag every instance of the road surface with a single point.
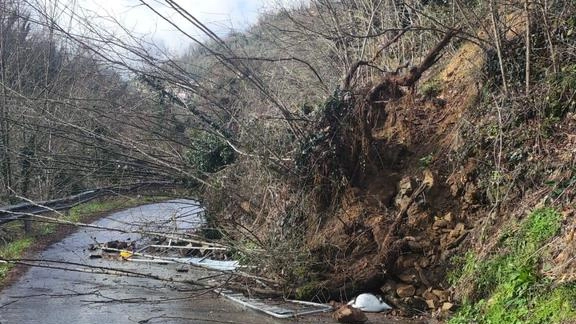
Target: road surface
<point x="79" y="294"/>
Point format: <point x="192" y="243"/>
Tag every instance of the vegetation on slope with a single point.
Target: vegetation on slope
<point x="509" y="284"/>
<point x="346" y="146"/>
<point x="489" y="139"/>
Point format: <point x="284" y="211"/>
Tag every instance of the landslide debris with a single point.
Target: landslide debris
<point x="397" y="179"/>
<point x="394" y="221"/>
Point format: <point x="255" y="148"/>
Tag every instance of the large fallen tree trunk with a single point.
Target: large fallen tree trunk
<point x="415" y="73"/>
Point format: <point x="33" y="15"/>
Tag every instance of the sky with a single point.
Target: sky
<point x="219" y="15"/>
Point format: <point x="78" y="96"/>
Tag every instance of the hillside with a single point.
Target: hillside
<point x="422" y="150"/>
<point x="426" y="183"/>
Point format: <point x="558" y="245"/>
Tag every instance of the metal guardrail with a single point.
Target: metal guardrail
<point x="23" y="210"/>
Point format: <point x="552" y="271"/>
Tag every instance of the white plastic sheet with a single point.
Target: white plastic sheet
<point x="369" y="303"/>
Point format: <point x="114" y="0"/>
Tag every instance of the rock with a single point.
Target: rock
<point x="460" y="227"/>
<point x="447" y="306"/>
<point x="428" y="295"/>
<point x="431" y="303"/>
<point x="369" y="303"/>
<point x="408" y="277"/>
<point x="426" y="245"/>
<point x="422" y="275"/>
<point x="454" y="190"/>
<point x="424" y="262"/>
<point x="440" y="223"/>
<point x="470" y="193"/>
<point x="388" y="288"/>
<point x="428" y="178"/>
<point x="442" y="295"/>
<point x="405" y="291"/>
<point x="402" y="201"/>
<point x="119" y="245"/>
<point x="349" y="314"/>
<point x="449" y="218"/>
<point x="405" y="186"/>
<point x="420" y="290"/>
<point x="406" y="261"/>
<point x="417" y="218"/>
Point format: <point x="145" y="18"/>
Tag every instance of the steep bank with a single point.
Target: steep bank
<point x="399" y="182"/>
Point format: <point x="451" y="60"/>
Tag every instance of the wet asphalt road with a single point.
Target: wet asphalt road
<point x="55" y="296"/>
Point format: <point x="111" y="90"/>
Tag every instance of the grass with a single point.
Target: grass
<point x="13" y="250"/>
<point x="431" y="88"/>
<point x="19" y="242"/>
<point x="509" y="287"/>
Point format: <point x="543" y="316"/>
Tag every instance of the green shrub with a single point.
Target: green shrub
<point x="209" y="153"/>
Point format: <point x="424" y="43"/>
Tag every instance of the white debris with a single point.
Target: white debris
<point x="276" y="308"/>
<point x="369" y="303"/>
<point x="222" y="265"/>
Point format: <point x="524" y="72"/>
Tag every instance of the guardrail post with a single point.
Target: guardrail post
<point x="27" y="225"/>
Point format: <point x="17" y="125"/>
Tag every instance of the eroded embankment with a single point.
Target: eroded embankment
<point x="399" y="179"/>
<point x="446" y="173"/>
<point x="406" y="211"/>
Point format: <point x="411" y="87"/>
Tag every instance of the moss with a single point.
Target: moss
<point x="556" y="306"/>
<point x="541" y="225"/>
<point x="463" y="267"/>
<point x="513" y="290"/>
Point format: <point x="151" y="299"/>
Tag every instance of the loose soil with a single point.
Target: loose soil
<point x="398" y="226"/>
<point x="430" y="191"/>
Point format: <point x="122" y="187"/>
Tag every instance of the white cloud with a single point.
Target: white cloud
<point x="219" y="15"/>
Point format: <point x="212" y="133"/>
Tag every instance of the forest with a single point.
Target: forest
<point x="422" y="149"/>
